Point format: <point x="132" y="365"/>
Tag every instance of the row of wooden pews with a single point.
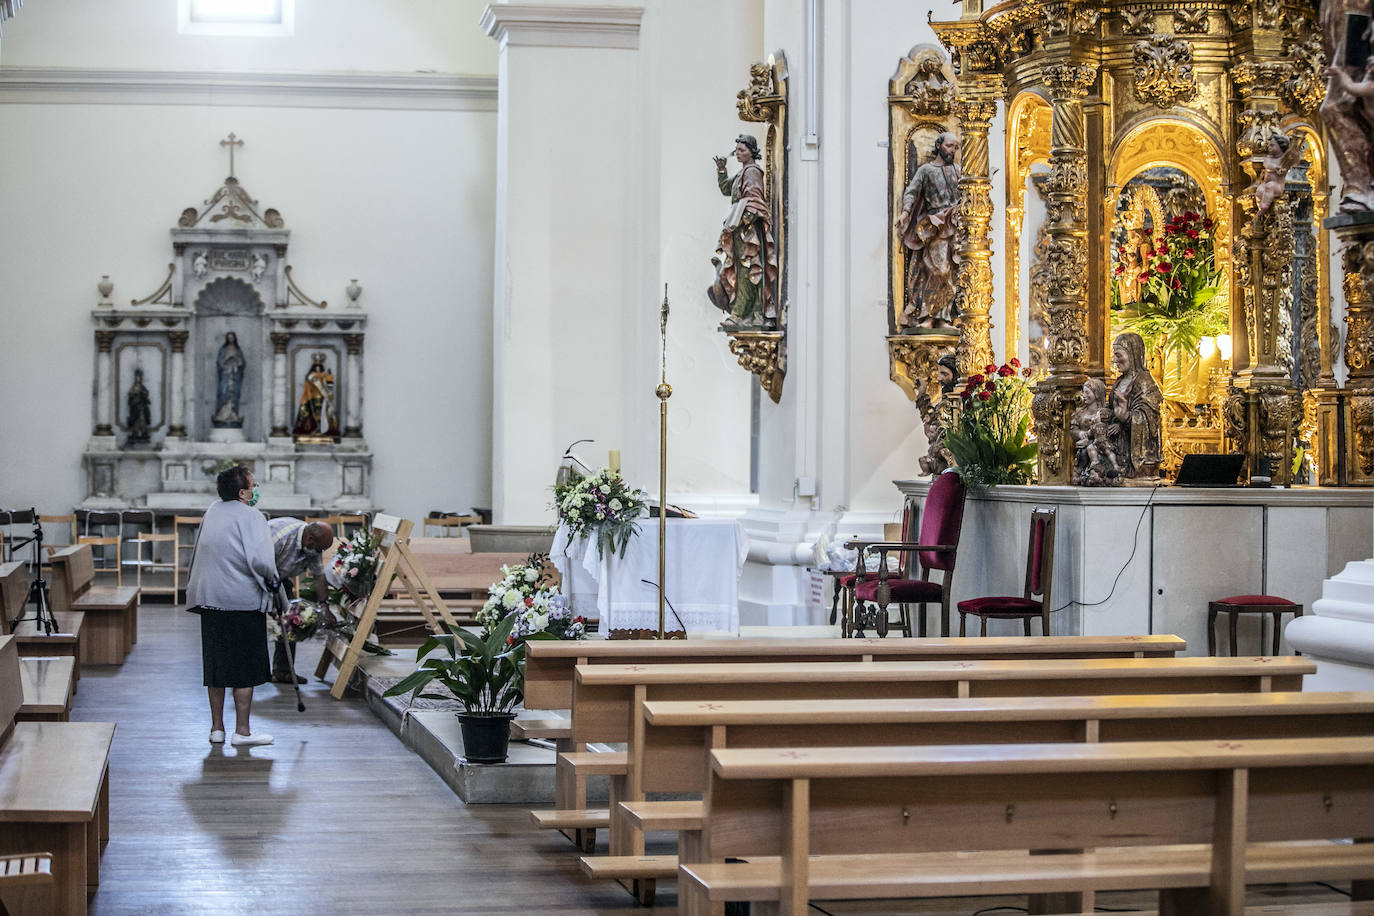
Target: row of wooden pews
<point x="54" y="795"/>
<point x="1055" y="776"/>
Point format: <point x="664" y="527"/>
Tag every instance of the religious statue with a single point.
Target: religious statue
<point x="200" y="265"/>
<point x="1283" y="155"/>
<point x="928" y="224"/>
<point x="315" y="416"/>
<point x="937" y="457"/>
<point x="1135" y="402"/>
<point x="746" y="259"/>
<point x="1094" y="429"/>
<point x="229" y="364"/>
<point x="140" y="410"/>
<point x="1348" y="109"/>
<point x="259" y="268"/>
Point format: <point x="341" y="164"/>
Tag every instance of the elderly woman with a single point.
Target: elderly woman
<point x="1135" y="404"/>
<point x="233" y="577"/>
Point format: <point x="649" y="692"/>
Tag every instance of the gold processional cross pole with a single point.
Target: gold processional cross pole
<point x="231" y="142"/>
<point x="664" y="392"/>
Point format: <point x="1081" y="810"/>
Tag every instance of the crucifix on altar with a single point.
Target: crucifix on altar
<point x="231" y="141"/>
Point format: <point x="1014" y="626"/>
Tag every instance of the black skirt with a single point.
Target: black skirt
<point x="233" y="648"/>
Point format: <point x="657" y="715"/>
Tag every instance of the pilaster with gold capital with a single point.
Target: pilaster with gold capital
<point x="1066" y="345"/>
<point x="975" y="107"/>
<point x="176" y="395"/>
<point x="353" y="381"/>
<point x="280" y="339"/>
<point x="104" y="341"/>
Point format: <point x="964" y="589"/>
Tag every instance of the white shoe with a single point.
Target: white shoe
<point x="217" y="737"/>
<point x="249" y="740"/>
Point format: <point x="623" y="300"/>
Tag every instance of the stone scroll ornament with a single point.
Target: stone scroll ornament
<point x="750" y="261"/>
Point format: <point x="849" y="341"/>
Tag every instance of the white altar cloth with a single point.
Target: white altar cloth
<point x="705" y="557"/>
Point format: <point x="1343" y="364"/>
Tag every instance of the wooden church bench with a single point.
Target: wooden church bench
<point x="672" y="754"/>
<point x="24" y="872"/>
<point x="549" y="664"/>
<point x="608" y="699"/>
<point x="111" y="627"/>
<point x="551" y="729"/>
<point x="47" y="686"/>
<point x="887" y="806"/>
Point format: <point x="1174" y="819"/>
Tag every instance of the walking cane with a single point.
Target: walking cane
<point x="283" y="605"/>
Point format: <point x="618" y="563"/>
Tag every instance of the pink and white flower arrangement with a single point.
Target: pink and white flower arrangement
<point x="527" y="593"/>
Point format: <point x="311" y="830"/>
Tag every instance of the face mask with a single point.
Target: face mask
<point x="254" y="500"/>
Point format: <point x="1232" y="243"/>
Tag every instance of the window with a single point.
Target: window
<point x="236" y="17"/>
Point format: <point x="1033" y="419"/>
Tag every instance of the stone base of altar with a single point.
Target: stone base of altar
<point x="181" y="475"/>
<point x="1338" y="631"/>
<point x="1148" y="560"/>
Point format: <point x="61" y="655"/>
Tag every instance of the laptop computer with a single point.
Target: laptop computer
<point x="1209" y="470"/>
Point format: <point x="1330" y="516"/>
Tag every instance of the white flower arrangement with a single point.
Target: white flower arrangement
<point x="527" y="593"/>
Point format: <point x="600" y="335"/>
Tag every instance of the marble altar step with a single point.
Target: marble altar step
<point x="526" y="778"/>
<point x="1338" y="631"/>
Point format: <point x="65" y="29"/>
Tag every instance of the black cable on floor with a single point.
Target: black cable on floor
<point x="998" y="909"/>
<point x="1332" y="887"/>
<point x="819" y="910"/>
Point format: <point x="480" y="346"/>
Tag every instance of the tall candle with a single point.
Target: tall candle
<point x="614" y="462"/>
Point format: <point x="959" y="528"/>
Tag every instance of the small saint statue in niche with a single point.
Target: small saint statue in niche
<point x="929" y="224"/>
<point x="1095" y="428"/>
<point x="140" y="411"/>
<point x="229" y="365"/>
<point x="1135" y="402"/>
<point x="200" y="265"/>
<point x="315" y="417"/>
<point x="258" y="269"/>
<point x="746" y="258"/>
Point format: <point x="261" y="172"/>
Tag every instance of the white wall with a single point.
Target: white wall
<point x="400" y="199"/>
<point x="408" y="36"/>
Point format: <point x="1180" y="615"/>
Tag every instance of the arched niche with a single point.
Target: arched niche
<point x="1171" y="143"/>
<point x="1028" y="144"/>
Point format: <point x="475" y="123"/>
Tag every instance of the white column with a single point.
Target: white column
<point x="353" y="381"/>
<point x="570" y="245"/>
<point x="103" y="383"/>
<point x="279" y="342"/>
<point x="176" y="395"/>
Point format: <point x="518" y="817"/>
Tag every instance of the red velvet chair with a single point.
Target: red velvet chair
<point x="1035" y="600"/>
<point x="935" y="549"/>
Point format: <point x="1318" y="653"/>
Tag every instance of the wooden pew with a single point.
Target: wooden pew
<point x="549" y="664"/>
<point x="608" y="698"/>
<point x="47" y="686"/>
<point x="111" y="626"/>
<point x="15" y="579"/>
<point x="672" y="753"/>
<point x="54" y="795"/>
<point x="861" y="823"/>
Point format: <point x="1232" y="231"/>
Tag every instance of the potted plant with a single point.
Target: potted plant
<point x="990" y="441"/>
<point x="487" y="675"/>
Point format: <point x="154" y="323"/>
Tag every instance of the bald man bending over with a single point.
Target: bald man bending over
<point x="298" y="547"/>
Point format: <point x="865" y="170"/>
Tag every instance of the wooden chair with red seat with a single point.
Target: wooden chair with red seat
<point x="1035" y="601"/>
<point x="842" y="601"/>
<point x="934" y="549"/>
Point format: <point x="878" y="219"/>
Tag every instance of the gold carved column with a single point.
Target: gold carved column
<point x="975" y="108"/>
<point x="1263" y="408"/>
<point x="1357" y="261"/>
<point x="1058" y="395"/>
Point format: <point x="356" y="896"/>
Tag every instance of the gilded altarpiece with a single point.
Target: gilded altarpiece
<point x="761" y="346"/>
<point x="1106" y="93"/>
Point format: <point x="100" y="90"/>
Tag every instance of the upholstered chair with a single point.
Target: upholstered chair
<point x="1035" y="598"/>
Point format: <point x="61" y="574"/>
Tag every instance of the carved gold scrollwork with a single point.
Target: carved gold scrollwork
<point x="1138" y="19"/>
<point x="1164" y="71"/>
<point x="1305" y="87"/>
<point x="764" y="354"/>
<point x="1267" y="13"/>
<point x="1360" y="433"/>
<point x="913" y="364"/>
<point x="1191" y="20"/>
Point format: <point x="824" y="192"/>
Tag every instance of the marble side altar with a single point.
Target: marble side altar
<point x="236" y="364"/>
<point x="1148" y="561"/>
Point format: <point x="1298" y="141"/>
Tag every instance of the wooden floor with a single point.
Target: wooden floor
<point x="336" y="817"/>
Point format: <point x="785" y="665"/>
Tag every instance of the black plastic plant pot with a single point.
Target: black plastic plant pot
<point x="486" y="736"/>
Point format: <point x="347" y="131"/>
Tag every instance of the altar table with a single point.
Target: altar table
<point x="705" y="557"/>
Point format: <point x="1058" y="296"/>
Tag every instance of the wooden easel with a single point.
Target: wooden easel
<point x="396" y="561"/>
